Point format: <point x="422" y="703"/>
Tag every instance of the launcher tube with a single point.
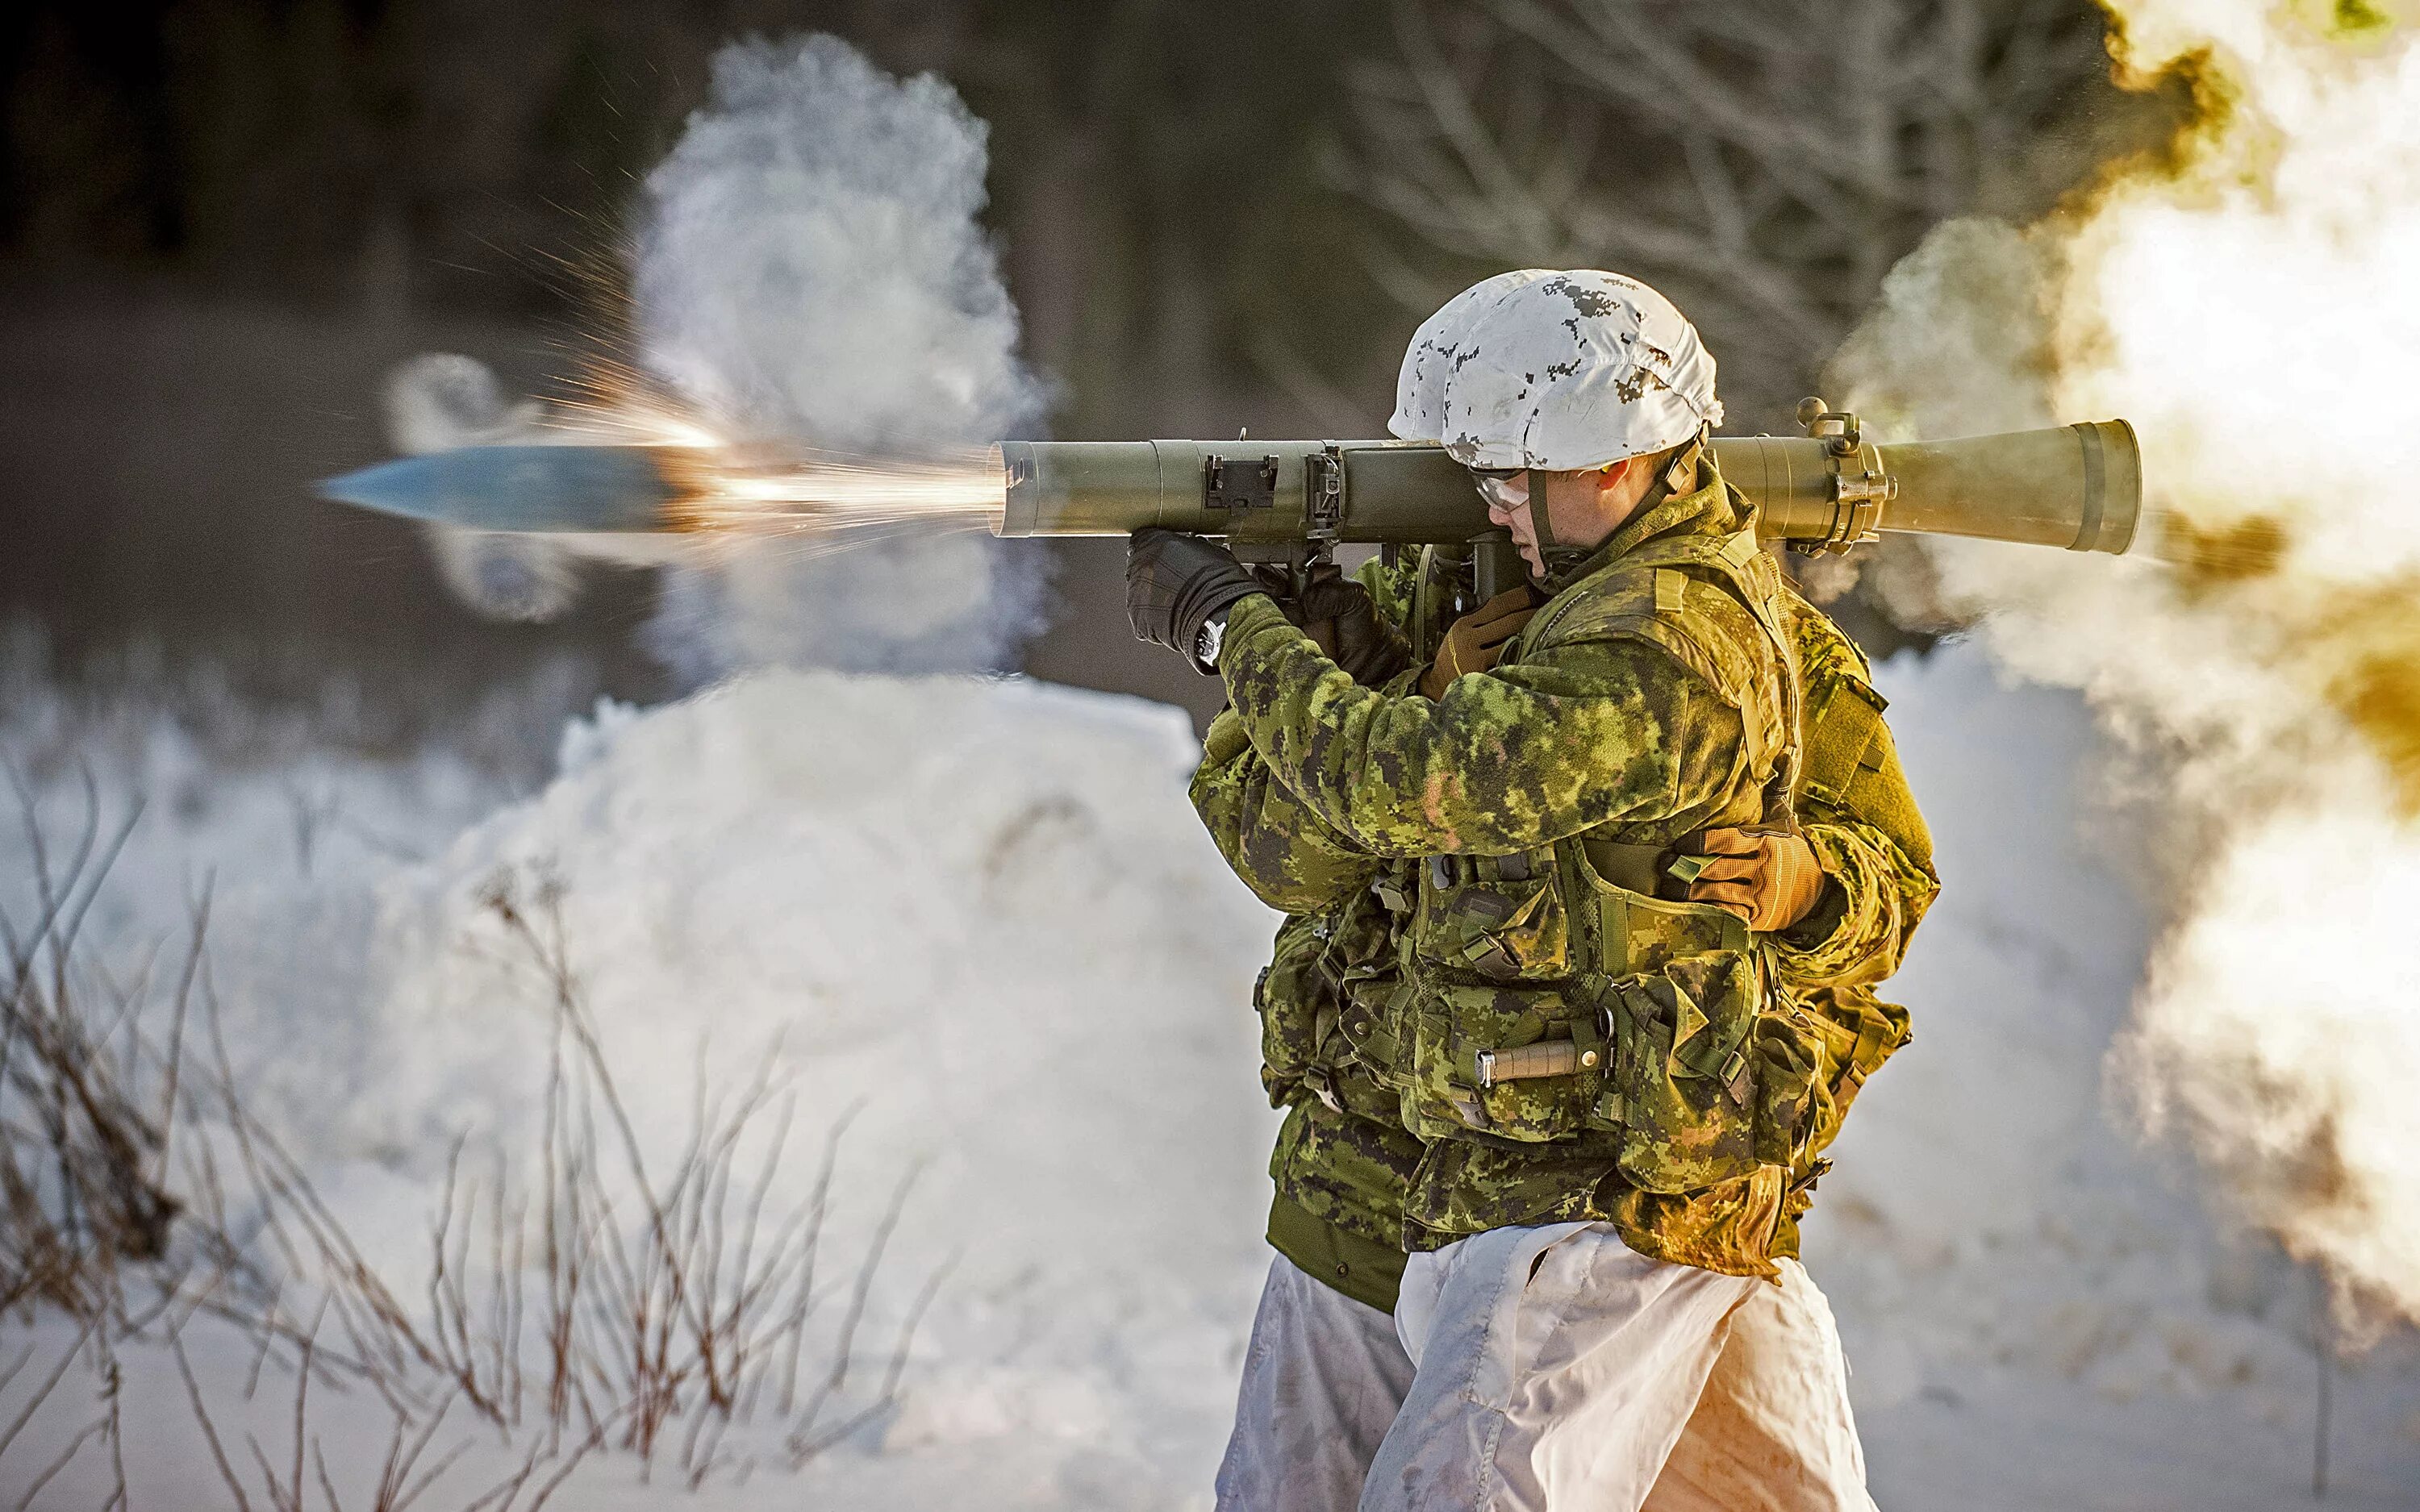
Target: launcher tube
<point x="2075" y="486"/>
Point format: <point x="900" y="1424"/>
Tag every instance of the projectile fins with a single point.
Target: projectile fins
<point x="588" y="488"/>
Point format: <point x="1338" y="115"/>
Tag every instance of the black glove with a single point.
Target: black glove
<point x="1175" y="583"/>
<point x="1336" y="612"/>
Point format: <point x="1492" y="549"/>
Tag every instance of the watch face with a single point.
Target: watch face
<point x="1205" y="645"/>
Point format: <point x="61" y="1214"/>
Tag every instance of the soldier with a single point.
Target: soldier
<point x="1325" y="1373"/>
<point x="1617" y="1119"/>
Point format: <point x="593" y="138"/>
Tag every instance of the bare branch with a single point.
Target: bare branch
<point x="209" y="1430"/>
<point x="1772" y="158"/>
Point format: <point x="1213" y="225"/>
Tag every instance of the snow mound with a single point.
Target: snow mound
<point x="975" y="918"/>
<point x="978" y="914"/>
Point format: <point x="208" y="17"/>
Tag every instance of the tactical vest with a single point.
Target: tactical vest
<point x="1555" y="997"/>
<point x="1324" y="1003"/>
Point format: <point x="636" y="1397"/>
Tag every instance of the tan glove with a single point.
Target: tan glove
<point x="1766" y="877"/>
<point x="1476" y="640"/>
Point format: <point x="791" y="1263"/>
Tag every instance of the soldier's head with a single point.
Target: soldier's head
<point x="1567" y="394"/>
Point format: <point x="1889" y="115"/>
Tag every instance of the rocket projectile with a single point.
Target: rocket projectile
<point x="588" y="488"/>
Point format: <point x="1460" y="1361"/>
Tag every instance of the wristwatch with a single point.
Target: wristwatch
<point x="1206" y="644"/>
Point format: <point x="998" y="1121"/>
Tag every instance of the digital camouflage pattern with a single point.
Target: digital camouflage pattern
<point x="1343" y="1163"/>
<point x="1637" y="740"/>
<point x="1856" y="811"/>
<point x="1291" y="858"/>
<point x="1645" y="706"/>
<point x="1343" y="1160"/>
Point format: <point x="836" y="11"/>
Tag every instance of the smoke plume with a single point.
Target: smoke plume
<point x="813" y="269"/>
<point x="810" y="270"/>
<point x="813" y="263"/>
<point x="2246" y="299"/>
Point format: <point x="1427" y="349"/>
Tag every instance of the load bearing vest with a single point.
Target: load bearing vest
<point x="1322" y="998"/>
<point x="1554" y="997"/>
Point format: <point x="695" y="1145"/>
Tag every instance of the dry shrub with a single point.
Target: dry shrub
<point x="608" y="1301"/>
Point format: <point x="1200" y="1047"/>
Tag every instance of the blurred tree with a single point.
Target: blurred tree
<point x="1155" y="179"/>
<point x="1763" y="161"/>
<point x="280" y="146"/>
<point x="1163" y="210"/>
<point x="76" y="184"/>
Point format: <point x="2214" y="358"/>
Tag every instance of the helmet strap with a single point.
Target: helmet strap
<point x="1678" y="475"/>
<point x="1540" y="529"/>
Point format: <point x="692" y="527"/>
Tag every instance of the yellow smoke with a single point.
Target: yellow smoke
<point x="2250" y="299"/>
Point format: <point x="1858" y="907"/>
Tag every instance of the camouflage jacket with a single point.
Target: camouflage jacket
<point x="1342" y="1160"/>
<point x="1613" y="734"/>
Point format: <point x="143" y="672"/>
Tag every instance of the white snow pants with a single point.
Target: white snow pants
<point x="1559" y="1368"/>
<point x="1322" y="1376"/>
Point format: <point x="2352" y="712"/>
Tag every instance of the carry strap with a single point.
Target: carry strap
<point x="1426" y="616"/>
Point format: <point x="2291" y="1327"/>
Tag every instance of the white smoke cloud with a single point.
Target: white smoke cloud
<point x="2251" y="309"/>
<point x="1961" y="334"/>
<point x="812" y="265"/>
<point x="811" y="270"/>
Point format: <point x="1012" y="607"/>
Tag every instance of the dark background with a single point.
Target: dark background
<point x="222" y="221"/>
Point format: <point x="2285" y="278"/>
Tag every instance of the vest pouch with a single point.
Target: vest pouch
<point x="1524" y="1063"/>
<point x="1302" y="995"/>
<point x="1685" y="1072"/>
<point x="1372" y="1031"/>
<point x="1856" y="1038"/>
<point x="1794" y="1098"/>
<point x="1637" y="932"/>
<point x="1497" y="917"/>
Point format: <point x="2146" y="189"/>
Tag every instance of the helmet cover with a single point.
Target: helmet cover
<point x="1437" y="346"/>
<point x="1564" y="371"/>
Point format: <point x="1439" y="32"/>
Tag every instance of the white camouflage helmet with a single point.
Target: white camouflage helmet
<point x="1437" y="346"/>
<point x="1564" y="371"/>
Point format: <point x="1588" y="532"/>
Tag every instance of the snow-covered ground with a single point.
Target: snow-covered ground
<point x="978" y="914"/>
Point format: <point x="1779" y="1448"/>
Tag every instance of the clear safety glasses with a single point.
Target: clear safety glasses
<point x="1504" y="489"/>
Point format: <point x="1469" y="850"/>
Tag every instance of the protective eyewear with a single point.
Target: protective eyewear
<point x="1504" y="489"/>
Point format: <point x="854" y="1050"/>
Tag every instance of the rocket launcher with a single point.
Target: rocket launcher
<point x="2078" y="488"/>
<point x="2075" y="486"/>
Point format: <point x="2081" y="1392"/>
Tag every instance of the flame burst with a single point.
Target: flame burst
<point x="2251" y="300"/>
<point x="733" y="491"/>
<point x="824" y="498"/>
